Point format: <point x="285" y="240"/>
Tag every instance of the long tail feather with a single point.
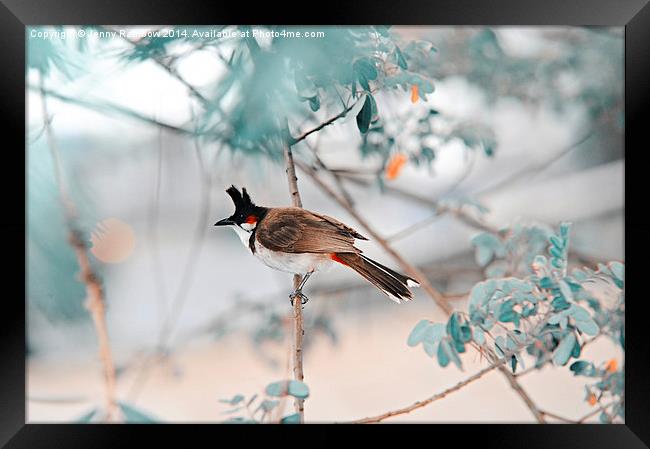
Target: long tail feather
<point x="391" y="283"/>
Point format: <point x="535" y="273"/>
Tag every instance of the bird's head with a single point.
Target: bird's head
<point x="246" y="215"/>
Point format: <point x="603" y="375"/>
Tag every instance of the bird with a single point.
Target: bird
<point x="302" y="242"/>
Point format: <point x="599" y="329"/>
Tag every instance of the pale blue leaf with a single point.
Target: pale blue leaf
<point x="618" y="269"/>
<point x="418" y="332"/>
<point x="588" y="327"/>
<point x="291" y="419"/>
<point x="563" y="351"/>
<point x="298" y="389"/>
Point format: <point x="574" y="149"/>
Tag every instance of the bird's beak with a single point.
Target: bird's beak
<point x="224" y="222"/>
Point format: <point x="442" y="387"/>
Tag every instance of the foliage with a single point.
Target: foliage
<point x="548" y="314"/>
<point x="129" y="415"/>
<point x="261" y="410"/>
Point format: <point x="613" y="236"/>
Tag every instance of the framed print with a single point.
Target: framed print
<point x="377" y="214"/>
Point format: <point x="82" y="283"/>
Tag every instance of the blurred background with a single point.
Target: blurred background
<point x="507" y="127"/>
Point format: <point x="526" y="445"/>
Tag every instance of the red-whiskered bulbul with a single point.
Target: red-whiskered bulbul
<point x="301" y="242"/>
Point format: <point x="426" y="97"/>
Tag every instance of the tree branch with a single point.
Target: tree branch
<point x="95" y="302"/>
<point x="305" y="134"/>
<point x="429" y="400"/>
<point x="299" y="331"/>
<point x="539" y="416"/>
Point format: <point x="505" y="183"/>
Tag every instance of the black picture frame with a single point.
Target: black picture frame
<point x="15" y="15"/>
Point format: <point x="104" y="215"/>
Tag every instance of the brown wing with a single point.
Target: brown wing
<point x="295" y="230"/>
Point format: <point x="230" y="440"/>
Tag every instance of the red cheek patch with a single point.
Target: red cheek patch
<point x="336" y="258"/>
<point x="251" y="219"/>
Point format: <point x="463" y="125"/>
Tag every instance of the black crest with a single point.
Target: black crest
<point x="241" y="199"/>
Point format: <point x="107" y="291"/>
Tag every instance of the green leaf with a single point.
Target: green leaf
<point x="454" y="357"/>
<point x="374" y="115"/>
<point x="365" y="116"/>
<point x="566" y="290"/>
<point x="234" y="401"/>
<point x="479" y="335"/>
<point x="564" y="230"/>
<point x="443" y="353"/>
<point x="291" y="419"/>
<point x="563" y="351"/>
<point x="577" y="349"/>
<point x="429" y="348"/>
<point x="294" y="388"/>
<point x="277" y="389"/>
<point x="401" y="61"/>
<point x="298" y="389"/>
<point x="483" y="255"/>
<point x="465" y="333"/>
<point x="268" y="405"/>
<point x="453" y="328"/>
<point x="366" y="68"/>
<point x="546" y="282"/>
<point x="418" y="333"/>
<point x="314" y="103"/>
<point x="582" y="367"/>
<point x="588" y="327"/>
<point x="578" y="313"/>
<point x="618" y="269"/>
<point x="556" y="242"/>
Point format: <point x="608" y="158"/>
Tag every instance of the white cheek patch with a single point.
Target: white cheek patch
<point x="243" y="235"/>
<point x="248" y="226"/>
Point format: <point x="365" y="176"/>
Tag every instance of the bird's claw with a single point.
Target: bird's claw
<point x="294" y="294"/>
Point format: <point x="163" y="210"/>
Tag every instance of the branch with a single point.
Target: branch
<point x="169" y="69"/>
<point x="303" y="136"/>
<point x="299" y="331"/>
<point x="439" y="209"/>
<point x="95" y="302"/>
<point x="536" y="168"/>
<point x="429" y="400"/>
<point x="539" y="416"/>
<point x="111" y="108"/>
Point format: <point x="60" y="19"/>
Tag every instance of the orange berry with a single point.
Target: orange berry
<point x="611" y="366"/>
<point x="415" y="93"/>
<point x="592" y="399"/>
<point x="395" y="165"/>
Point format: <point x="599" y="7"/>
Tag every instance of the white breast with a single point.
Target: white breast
<point x="292" y="262"/>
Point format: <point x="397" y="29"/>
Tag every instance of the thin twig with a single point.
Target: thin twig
<point x="168" y="68"/>
<point x="331" y="120"/>
<point x="429" y="400"/>
<point x="111" y="108"/>
<point x="602" y="408"/>
<point x="536" y="168"/>
<point x="297" y="306"/>
<point x="514" y="383"/>
<point x="95" y="301"/>
<point x="558" y="417"/>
